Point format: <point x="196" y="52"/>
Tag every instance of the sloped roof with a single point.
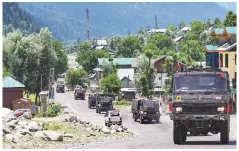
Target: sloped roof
<point x="158" y="30"/>
<point x="231" y="30"/>
<point x="101" y="42"/>
<point x="185" y="29"/>
<point x="128" y="72"/>
<point x="9" y="82"/>
<point x="218" y="31"/>
<point x="99" y="47"/>
<point x="178" y="38"/>
<point x="211" y="47"/>
<point x="119" y="61"/>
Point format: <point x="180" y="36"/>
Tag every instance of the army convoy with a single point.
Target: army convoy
<point x="199" y="105"/>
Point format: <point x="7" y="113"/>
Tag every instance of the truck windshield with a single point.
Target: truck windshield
<point x="149" y="103"/>
<point x="200" y="83"/>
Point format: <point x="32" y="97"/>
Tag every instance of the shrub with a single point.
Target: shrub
<point x="123" y="102"/>
<point x="52" y="111"/>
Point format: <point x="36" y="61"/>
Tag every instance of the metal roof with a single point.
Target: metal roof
<point x="101" y="42"/>
<point x="211" y="47"/>
<point x="219" y="31"/>
<point x="185" y="29"/>
<point x="231" y="30"/>
<point x="9" y="82"/>
<point x="119" y="61"/>
<point x="99" y="47"/>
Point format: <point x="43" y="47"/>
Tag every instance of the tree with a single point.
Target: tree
<point x="144" y="78"/>
<point x="111" y="84"/>
<point x="129" y="47"/>
<point x="85" y="46"/>
<point x="141" y="31"/>
<point x="231" y="19"/>
<point x="89" y="59"/>
<point x="6" y="73"/>
<point x="197" y="27"/>
<point x="76" y="76"/>
<point x="171" y="28"/>
<point x="108" y="68"/>
<point x="62" y="61"/>
<point x="161" y="41"/>
<point x="217" y="23"/>
<point x="181" y="25"/>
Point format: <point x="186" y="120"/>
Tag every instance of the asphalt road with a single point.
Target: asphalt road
<point x="151" y="136"/>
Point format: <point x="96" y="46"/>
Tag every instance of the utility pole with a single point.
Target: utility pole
<point x="51" y="83"/>
<point x="156" y="22"/>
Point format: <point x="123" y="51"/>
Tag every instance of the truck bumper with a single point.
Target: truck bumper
<point x="186" y="117"/>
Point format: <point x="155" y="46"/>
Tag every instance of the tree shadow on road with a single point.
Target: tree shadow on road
<point x="208" y="143"/>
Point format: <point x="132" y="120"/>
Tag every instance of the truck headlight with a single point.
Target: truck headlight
<point x="179" y="109"/>
<point x="220" y="109"/>
<point x="99" y="104"/>
<point x="141" y="112"/>
<point x="157" y="112"/>
<point x="145" y="112"/>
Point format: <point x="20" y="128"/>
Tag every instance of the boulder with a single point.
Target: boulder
<point x="12" y="124"/>
<point x="33" y="126"/>
<point x="88" y="129"/>
<point x="5" y="130"/>
<point x="24" y="132"/>
<point x="93" y="134"/>
<point x="67" y="135"/>
<point x="39" y="134"/>
<point x="40" y="126"/>
<point x="105" y="130"/>
<point x="120" y="129"/>
<point x="9" y="137"/>
<point x="53" y="136"/>
<point x="112" y="131"/>
<point x="72" y="117"/>
<point x="27" y="115"/>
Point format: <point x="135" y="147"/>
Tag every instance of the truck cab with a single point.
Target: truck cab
<point x="199" y="104"/>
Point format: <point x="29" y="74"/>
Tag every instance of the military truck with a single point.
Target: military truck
<point x="104" y="104"/>
<point x="92" y="100"/>
<point x="199" y="100"/>
<point x="79" y="93"/>
<point x="60" y="87"/>
<point x="145" y="109"/>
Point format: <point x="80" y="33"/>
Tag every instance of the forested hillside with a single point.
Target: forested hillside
<point x="16" y="18"/>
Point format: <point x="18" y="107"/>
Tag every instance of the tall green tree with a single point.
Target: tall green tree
<point x="85" y="46"/>
<point x="231" y="19"/>
<point x="197" y="27"/>
<point x="181" y="25"/>
<point x="217" y="23"/>
<point x="111" y="84"/>
<point x="89" y="59"/>
<point x="161" y="41"/>
<point x="129" y="47"/>
<point x="145" y="76"/>
<point x="76" y="76"/>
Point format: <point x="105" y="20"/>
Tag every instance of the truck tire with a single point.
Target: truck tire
<point x="177" y="134"/>
<point x="141" y="120"/>
<point x="105" y="124"/>
<point x="75" y="97"/>
<point x="96" y="110"/>
<point x="89" y="106"/>
<point x="184" y="135"/>
<point x="157" y="120"/>
<point x="224" y="133"/>
<point x="99" y="111"/>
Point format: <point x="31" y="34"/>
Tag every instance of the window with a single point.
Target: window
<point x="226" y="61"/>
<point x="221" y="60"/>
<point x="235" y="59"/>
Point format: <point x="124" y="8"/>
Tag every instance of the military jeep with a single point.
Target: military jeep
<point x="200" y="99"/>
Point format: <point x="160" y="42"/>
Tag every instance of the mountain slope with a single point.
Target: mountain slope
<point x="67" y="20"/>
<point x="16" y="18"/>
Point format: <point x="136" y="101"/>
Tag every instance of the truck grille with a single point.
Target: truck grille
<point x="200" y="110"/>
<point x="151" y="112"/>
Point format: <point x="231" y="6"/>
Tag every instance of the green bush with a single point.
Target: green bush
<point x="123" y="102"/>
<point x="52" y="111"/>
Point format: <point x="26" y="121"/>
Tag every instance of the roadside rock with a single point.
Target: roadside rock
<point x="33" y="126"/>
<point x="24" y="132"/>
<point x="12" y="124"/>
<point x="39" y="134"/>
<point x="5" y="130"/>
<point x="53" y="136"/>
<point x="9" y="137"/>
<point x="120" y="129"/>
<point x="67" y="135"/>
<point x="27" y="115"/>
<point x="112" y="131"/>
<point x="114" y="127"/>
<point x="93" y="134"/>
<point x="88" y="129"/>
<point x="72" y="117"/>
<point x="105" y="130"/>
<point x="41" y="126"/>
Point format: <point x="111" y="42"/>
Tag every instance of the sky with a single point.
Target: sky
<point x="228" y="6"/>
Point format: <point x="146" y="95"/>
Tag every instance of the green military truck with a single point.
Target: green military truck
<point x="200" y="99"/>
<point x="145" y="109"/>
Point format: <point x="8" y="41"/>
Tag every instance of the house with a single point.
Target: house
<point x="222" y="54"/>
<point x="126" y="76"/>
<point x="12" y="90"/>
<point x="158" y="31"/>
<point x="179" y="39"/>
<point x="185" y="29"/>
<point x="99" y="44"/>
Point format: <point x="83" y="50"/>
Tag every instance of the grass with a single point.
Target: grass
<point x="31" y="96"/>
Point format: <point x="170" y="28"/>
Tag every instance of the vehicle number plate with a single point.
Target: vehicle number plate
<point x="114" y="119"/>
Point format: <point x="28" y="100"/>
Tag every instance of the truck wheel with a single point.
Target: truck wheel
<point x="105" y="124"/>
<point x="184" y="135"/>
<point x="157" y="120"/>
<point x="177" y="134"/>
<point x="75" y="97"/>
<point x="96" y="110"/>
<point x="89" y="106"/>
<point x="141" y="120"/>
<point x="224" y="136"/>
<point x="99" y="111"/>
